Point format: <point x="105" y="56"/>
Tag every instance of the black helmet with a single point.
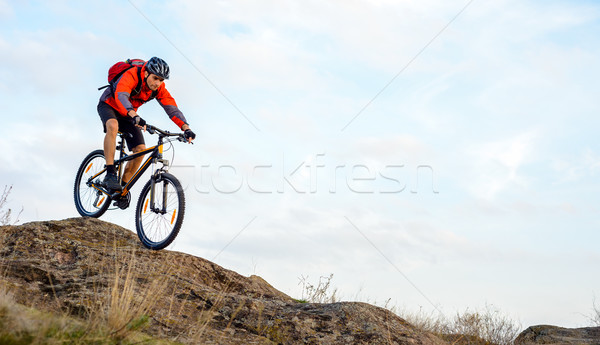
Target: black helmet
<point x="158" y="67"/>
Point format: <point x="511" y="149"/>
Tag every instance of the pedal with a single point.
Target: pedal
<point x="123" y="201"/>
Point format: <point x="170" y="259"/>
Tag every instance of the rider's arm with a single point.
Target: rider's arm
<point x="125" y="85"/>
<point x="165" y="99"/>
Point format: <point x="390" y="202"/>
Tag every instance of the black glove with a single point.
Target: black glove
<point x="188" y="134"/>
<point x="137" y="120"/>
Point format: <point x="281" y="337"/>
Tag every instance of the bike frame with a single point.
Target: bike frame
<point x="155" y="157"/>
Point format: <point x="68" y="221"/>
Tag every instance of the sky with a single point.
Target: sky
<point x="433" y="155"/>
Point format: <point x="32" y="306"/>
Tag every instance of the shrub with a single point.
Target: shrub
<point x="595" y="317"/>
<point x="320" y="293"/>
<point x="487" y="326"/>
<point x="6" y="214"/>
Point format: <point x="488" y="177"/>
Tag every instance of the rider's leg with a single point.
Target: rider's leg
<point x="133" y="165"/>
<point x="110" y="139"/>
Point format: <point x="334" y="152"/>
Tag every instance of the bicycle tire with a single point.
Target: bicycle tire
<point x="90" y="202"/>
<point x="157" y="230"/>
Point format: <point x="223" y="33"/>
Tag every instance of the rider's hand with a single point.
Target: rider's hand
<point x="139" y="122"/>
<point x="189" y="135"/>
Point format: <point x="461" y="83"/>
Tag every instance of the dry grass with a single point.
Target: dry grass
<point x="129" y="304"/>
<point x="6" y="214"/>
<point x="485" y="326"/>
<point x="595" y="317"/>
<point x="322" y="292"/>
<point x="20" y="325"/>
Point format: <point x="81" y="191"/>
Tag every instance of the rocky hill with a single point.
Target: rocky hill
<point x="85" y="266"/>
<point x="553" y="335"/>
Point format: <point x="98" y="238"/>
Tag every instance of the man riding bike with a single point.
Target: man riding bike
<point x="118" y="111"/>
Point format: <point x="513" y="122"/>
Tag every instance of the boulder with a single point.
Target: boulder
<point x="544" y="334"/>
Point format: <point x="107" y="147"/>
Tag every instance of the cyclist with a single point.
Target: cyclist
<point x="118" y="111"/>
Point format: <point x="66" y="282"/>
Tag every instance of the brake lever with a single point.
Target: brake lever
<point x="150" y="129"/>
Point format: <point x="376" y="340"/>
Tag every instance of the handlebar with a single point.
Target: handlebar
<point x="162" y="133"/>
<point x="153" y="130"/>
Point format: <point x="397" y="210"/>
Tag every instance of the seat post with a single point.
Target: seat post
<point x="121" y="149"/>
<point x="120" y="144"/>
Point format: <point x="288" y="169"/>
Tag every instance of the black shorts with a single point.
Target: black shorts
<point x="107" y="112"/>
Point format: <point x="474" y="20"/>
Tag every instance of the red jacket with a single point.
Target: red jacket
<point x="120" y="98"/>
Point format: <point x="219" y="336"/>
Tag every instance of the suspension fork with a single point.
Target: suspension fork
<point x="153" y="195"/>
<point x="154" y="179"/>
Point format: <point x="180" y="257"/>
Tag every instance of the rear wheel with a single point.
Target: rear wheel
<point x="158" y="222"/>
<point x="89" y="201"/>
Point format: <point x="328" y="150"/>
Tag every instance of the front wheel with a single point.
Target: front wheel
<point x="159" y="212"/>
<point x="90" y="201"/>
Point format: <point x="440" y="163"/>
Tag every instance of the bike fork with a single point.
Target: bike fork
<point x="162" y="210"/>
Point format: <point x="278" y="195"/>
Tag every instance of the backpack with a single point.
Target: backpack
<point x="116" y="71"/>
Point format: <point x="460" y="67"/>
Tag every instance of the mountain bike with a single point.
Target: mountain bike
<point x="161" y="206"/>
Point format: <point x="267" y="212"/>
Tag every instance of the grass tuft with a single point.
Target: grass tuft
<point x="322" y="292"/>
<point x="6" y="214"/>
<point x="486" y="326"/>
<point x="20" y="325"/>
<point x="595" y="317"/>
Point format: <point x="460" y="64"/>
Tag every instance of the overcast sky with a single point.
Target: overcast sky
<point x="433" y="153"/>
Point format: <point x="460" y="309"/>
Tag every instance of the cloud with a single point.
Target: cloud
<point x="575" y="168"/>
<point x="394" y="148"/>
<point x="298" y="45"/>
<point x="51" y="62"/>
<point x="6" y="11"/>
<point x="497" y="165"/>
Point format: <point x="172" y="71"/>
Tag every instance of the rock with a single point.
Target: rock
<point x="554" y="335"/>
<point x="88" y="267"/>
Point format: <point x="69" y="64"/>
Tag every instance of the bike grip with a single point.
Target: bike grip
<point x="184" y="140"/>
